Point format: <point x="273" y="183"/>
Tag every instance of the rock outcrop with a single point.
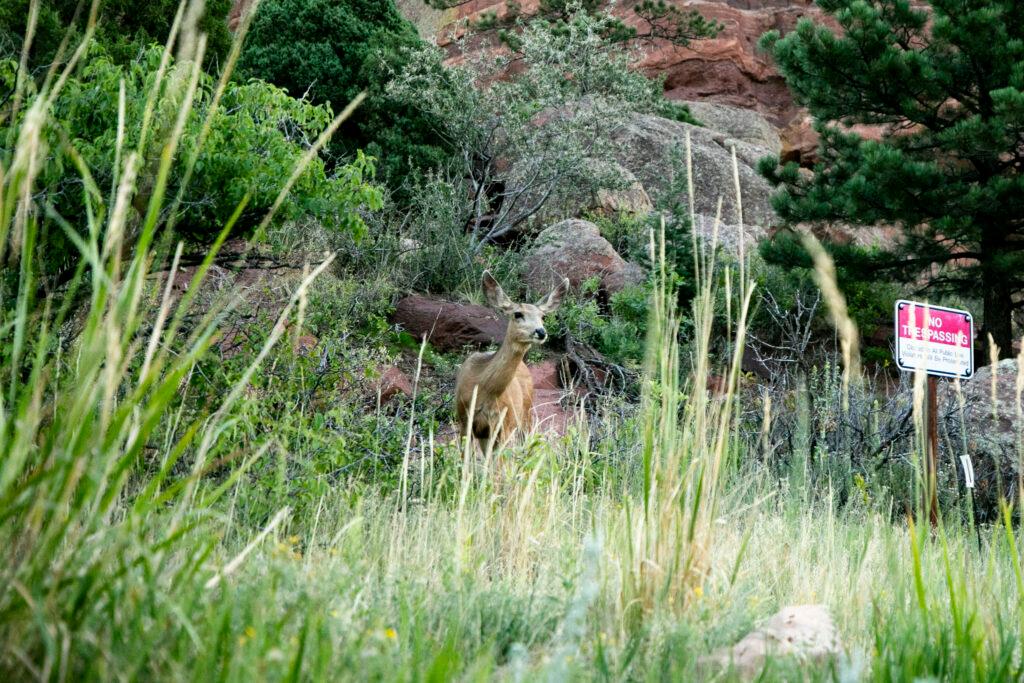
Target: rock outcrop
<point x="392" y="383"/>
<point x="803" y="632"/>
<point x="654" y="149"/>
<point x="448" y="325"/>
<point x="744" y="125"/>
<point x="575" y="249"/>
<point x="991" y="430"/>
<point x="729" y="69"/>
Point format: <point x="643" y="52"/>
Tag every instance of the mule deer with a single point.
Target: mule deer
<point x="504" y="387"/>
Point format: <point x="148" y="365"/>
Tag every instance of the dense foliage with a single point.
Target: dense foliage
<point x="256" y="136"/>
<point x="123" y="26"/>
<point x="945" y="83"/>
<point x="330" y="51"/>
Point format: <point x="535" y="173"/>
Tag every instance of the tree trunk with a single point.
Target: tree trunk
<point x="998" y="311"/>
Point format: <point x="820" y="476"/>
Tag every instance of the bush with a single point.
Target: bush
<point x="314" y="404"/>
<point x="434" y="252"/>
<point x="124" y="27"/>
<point x="330" y="51"/>
<point x="788" y="292"/>
<point x="619" y="333"/>
<point x="257" y="136"/>
<point x="535" y="135"/>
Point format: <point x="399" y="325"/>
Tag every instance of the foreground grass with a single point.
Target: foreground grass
<point x="527" y="581"/>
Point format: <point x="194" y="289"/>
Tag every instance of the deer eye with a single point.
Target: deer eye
<point x="517" y="315"/>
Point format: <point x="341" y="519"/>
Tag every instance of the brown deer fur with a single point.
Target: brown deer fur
<point x="504" y="387"/>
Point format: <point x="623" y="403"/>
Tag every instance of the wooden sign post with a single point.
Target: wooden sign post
<point x="939" y="341"/>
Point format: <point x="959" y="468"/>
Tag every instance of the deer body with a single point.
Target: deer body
<point x="503" y="385"/>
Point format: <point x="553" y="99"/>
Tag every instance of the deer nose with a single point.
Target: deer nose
<point x="539" y="333"/>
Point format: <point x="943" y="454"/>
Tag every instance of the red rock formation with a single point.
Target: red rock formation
<point x="728" y="69"/>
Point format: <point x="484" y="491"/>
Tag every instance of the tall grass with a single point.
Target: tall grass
<point x="123" y="559"/>
<point x="84" y="533"/>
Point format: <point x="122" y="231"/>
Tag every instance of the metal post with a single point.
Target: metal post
<point x="931" y="496"/>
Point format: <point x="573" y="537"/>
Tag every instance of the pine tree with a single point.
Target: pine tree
<point x="330" y="51"/>
<point x="946" y="81"/>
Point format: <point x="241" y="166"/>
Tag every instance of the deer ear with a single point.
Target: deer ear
<point x="554" y="298"/>
<point x="496" y="296"/>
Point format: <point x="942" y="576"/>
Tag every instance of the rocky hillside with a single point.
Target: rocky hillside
<point x="726" y="70"/>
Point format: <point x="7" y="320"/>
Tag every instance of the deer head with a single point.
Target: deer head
<point x="526" y="321"/>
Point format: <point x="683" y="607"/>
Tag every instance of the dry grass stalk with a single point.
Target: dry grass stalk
<point x="849" y="337"/>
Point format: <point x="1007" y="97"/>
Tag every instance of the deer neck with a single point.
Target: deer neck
<point x="503" y="365"/>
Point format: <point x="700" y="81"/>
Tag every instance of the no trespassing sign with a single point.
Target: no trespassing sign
<point x="938" y="340"/>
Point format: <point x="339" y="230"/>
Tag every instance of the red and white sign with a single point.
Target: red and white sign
<point x="938" y="340"/>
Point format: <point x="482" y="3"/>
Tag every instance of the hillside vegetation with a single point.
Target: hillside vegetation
<point x="237" y="281"/>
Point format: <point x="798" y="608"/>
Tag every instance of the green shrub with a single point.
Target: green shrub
<point x="869" y="302"/>
<point x="330" y="51"/>
<point x="314" y="404"/>
<point x="124" y="27"/>
<point x="619" y="333"/>
<point x="257" y="136"/>
<point x="440" y="256"/>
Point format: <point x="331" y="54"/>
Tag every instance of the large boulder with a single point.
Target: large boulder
<point x="618" y="191"/>
<point x="991" y="430"/>
<point x="448" y="325"/>
<point x="575" y="249"/>
<point x="654" y="149"/>
<point x="744" y="125"/>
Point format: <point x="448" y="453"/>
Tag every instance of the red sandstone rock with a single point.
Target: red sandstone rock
<point x="449" y="325"/>
<point x="392" y="383"/>
<point x="545" y="375"/>
<point x="800" y="141"/>
<point x="728" y="69"/>
<point x="548" y="413"/>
